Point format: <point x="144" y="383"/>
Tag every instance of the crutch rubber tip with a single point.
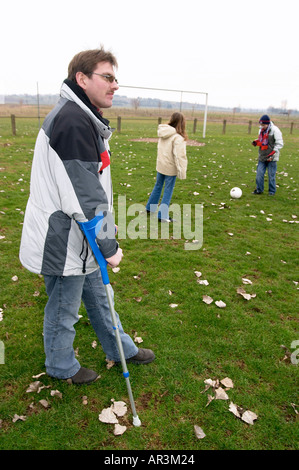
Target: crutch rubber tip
<point x="136" y="421"/>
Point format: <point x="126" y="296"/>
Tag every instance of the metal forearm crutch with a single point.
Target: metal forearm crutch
<point x="91" y="229"/>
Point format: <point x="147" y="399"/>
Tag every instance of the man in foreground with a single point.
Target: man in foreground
<point x="70" y="183"/>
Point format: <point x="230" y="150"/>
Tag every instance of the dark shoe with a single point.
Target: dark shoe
<point x="144" y="356"/>
<point x="256" y="192"/>
<point x="84" y="376"/>
<point x="271" y="194"/>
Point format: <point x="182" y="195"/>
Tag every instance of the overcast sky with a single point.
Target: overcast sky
<point x="240" y="53"/>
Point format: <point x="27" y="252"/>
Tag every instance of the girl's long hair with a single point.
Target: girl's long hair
<point x="178" y="121"/>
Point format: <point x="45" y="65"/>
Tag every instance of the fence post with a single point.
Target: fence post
<point x="159" y="120"/>
<point x="13" y="124"/>
<point x="249" y="127"/>
<point x="224" y="126"/>
<point x="194" y="125"/>
<point x="292" y="125"/>
<point x="119" y="124"/>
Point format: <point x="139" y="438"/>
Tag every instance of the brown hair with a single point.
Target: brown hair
<point x="178" y="121"/>
<point x="86" y="62"/>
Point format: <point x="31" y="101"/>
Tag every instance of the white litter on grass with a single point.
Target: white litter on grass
<point x="220" y="394"/>
<point x="220" y="304"/>
<point x="110" y="364"/>
<point x="211" y="383"/>
<point x="246" y="281"/>
<point x="207" y="299"/>
<point x="34" y="387"/>
<point x="245" y="415"/>
<point x="84" y="400"/>
<point x="38" y="375"/>
<point x="138" y="339"/>
<point x="203" y="282"/>
<point x="227" y="382"/>
<point x="249" y="417"/>
<point x="19" y="417"/>
<point x="198" y="273"/>
<point x="246" y="296"/>
<point x="44" y="403"/>
<point x="199" y="432"/>
<point x="234" y="409"/>
<point x="119" y="408"/>
<point x="119" y="429"/>
<point x="56" y="393"/>
<point x="210" y="398"/>
<point x="107" y="416"/>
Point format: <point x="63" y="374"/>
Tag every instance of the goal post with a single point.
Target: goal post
<point x="182" y="100"/>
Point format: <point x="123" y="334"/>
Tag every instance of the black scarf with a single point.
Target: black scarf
<point x="84" y="98"/>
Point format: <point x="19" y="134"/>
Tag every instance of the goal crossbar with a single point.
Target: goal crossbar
<point x="181" y="92"/>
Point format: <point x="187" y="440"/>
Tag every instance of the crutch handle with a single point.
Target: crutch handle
<point x="91" y="228"/>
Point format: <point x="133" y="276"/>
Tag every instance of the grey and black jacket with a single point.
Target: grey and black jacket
<point x="275" y="143"/>
<point x="70" y="183"/>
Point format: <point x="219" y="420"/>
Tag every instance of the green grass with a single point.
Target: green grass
<point x="193" y="341"/>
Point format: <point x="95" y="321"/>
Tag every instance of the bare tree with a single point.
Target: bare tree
<point x="135" y="103"/>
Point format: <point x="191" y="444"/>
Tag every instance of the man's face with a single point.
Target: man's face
<point x="98" y="89"/>
<point x="264" y="126"/>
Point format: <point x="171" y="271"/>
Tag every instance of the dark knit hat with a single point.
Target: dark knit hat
<point x="264" y="119"/>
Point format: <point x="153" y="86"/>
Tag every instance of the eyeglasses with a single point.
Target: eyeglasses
<point x="108" y="78"/>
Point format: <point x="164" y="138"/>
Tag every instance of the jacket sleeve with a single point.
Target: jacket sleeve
<point x="180" y="156"/>
<point x="278" y="139"/>
<point x="75" y="142"/>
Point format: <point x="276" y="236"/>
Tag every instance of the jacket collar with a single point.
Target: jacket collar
<point x="73" y="92"/>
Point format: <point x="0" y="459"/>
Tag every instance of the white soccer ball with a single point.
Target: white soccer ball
<point x="235" y="193"/>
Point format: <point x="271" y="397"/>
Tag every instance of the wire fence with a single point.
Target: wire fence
<point x="152" y="105"/>
<point x="195" y="124"/>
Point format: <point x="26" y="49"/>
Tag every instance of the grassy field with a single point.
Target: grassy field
<point x="249" y="341"/>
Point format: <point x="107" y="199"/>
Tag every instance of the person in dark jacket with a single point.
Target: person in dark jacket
<point x="269" y="143"/>
<point x="70" y="183"/>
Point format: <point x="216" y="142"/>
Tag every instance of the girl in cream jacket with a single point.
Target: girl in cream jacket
<point x="171" y="163"/>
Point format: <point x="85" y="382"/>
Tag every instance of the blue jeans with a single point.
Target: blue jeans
<point x="260" y="173"/>
<point x="153" y="201"/>
<point x="61" y="314"/>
